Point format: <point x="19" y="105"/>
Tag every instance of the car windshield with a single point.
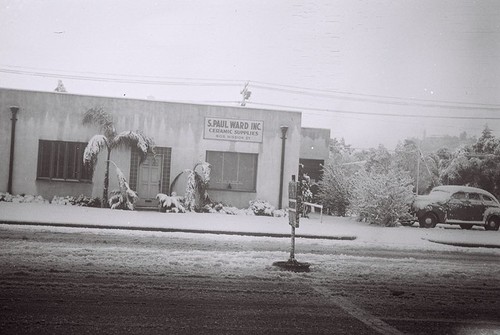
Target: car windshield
<point x="439" y="195"/>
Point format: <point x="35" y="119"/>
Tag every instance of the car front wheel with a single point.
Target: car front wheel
<point x="428" y="220"/>
<point x="492" y="224"/>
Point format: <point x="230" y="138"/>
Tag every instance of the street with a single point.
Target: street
<point x="79" y="281"/>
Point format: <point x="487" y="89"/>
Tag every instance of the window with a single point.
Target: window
<point x="474" y="196"/>
<point x="58" y="160"/>
<point x="232" y="171"/>
<point x="458" y="195"/>
<point x="487" y="198"/>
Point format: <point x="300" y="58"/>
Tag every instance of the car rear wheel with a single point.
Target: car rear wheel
<point x="428" y="220"/>
<point x="466" y="226"/>
<point x="492" y="224"/>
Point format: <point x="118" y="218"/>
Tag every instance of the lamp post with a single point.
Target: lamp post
<point x="14" y="110"/>
<point x="284" y="129"/>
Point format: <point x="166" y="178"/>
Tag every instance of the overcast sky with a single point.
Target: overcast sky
<point x="336" y="61"/>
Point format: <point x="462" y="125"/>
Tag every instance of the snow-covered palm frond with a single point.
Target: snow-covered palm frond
<point x="93" y="148"/>
<point x="136" y="139"/>
<point x="197" y="185"/>
<point x="205" y="171"/>
<point x="171" y="202"/>
<point x="125" y="197"/>
<point x="98" y="117"/>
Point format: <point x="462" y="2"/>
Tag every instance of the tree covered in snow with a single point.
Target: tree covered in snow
<point x="196" y="196"/>
<point x="381" y="198"/>
<point x="475" y="164"/>
<point x="124" y="197"/>
<point x="109" y="140"/>
<point x="422" y="167"/>
<point x="335" y="185"/>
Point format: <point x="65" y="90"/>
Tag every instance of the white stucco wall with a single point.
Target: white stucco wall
<point x="57" y="116"/>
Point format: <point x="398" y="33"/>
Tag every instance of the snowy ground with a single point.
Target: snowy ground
<point x="380" y="267"/>
<point x="365" y="235"/>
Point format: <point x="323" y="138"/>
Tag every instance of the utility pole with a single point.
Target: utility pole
<point x="245" y="93"/>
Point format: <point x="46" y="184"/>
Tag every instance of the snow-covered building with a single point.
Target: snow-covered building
<point x="42" y="142"/>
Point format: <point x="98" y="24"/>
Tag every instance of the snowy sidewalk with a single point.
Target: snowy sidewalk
<point x="332" y="228"/>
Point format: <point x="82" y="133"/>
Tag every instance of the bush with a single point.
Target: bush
<point x="335" y="188"/>
<point x="85" y="201"/>
<point x="81" y="200"/>
<point x="171" y="204"/>
<point x="261" y="208"/>
<point x="381" y="198"/>
<point x="7" y="197"/>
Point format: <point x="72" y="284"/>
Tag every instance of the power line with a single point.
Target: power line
<point x="402" y="101"/>
<point x="234" y="81"/>
<point x="330" y="94"/>
<point x="379" y="114"/>
<point x="117" y="80"/>
<point x="370" y="98"/>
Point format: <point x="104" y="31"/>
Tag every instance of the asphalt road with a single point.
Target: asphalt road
<point x="76" y="281"/>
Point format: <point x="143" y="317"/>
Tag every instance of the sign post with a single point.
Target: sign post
<point x="294" y="208"/>
<point x="293" y="211"/>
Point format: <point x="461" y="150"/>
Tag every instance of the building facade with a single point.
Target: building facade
<point x="244" y="147"/>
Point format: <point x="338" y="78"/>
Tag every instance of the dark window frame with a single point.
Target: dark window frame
<point x="252" y="189"/>
<point x="62" y="161"/>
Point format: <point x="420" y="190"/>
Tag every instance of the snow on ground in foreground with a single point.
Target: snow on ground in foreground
<point x="122" y="252"/>
<point x="366" y="235"/>
<point x="111" y="252"/>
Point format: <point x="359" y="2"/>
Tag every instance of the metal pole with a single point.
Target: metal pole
<point x="14" y="110"/>
<point x="418" y="169"/>
<point x="292" y="249"/>
<point x="283" y="138"/>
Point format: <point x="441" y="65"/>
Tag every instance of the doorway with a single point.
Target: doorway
<point x="150" y="177"/>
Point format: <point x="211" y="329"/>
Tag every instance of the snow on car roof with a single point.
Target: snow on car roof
<point x="459" y="188"/>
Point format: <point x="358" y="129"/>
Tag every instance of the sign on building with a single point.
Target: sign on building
<point x="233" y="129"/>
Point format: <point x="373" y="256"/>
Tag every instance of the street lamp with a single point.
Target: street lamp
<point x="284" y="129"/>
<point x="14" y="110"/>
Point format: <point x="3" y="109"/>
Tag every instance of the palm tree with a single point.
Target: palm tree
<point x="197" y="184"/>
<point x="110" y="140"/>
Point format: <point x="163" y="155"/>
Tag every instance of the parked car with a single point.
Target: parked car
<point x="462" y="205"/>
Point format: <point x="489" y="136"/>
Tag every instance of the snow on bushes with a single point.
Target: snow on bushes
<point x="168" y="204"/>
<point x="381" y="198"/>
<point x="171" y="204"/>
<point x="7" y="197"/>
<point x="264" y="208"/>
<point x="81" y="200"/>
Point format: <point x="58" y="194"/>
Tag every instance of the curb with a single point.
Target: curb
<point x="466" y="245"/>
<point x="180" y="230"/>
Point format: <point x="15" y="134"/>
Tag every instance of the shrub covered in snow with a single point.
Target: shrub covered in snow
<point x="81" y="200"/>
<point x="171" y="204"/>
<point x="261" y="207"/>
<point x="56" y="200"/>
<point x="7" y="197"/>
<point x="381" y="198"/>
<point x="257" y="207"/>
<point x="85" y="201"/>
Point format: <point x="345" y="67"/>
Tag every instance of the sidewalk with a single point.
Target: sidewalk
<point x="332" y="228"/>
